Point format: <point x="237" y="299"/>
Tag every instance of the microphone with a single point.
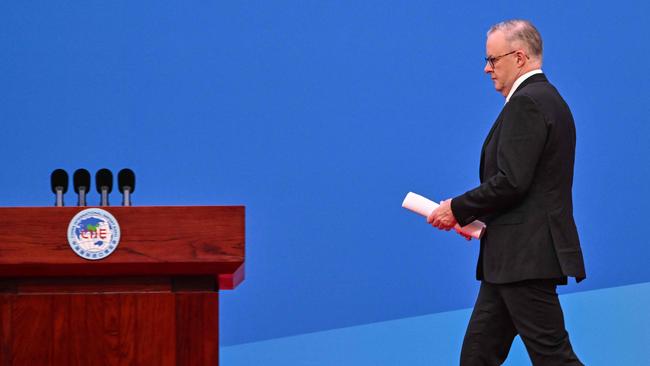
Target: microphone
<point x="59" y="185"/>
<point x="104" y="183"/>
<point x="81" y="181"/>
<point x="126" y="185"/>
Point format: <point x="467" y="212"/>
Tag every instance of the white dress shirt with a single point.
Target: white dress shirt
<point x="521" y="80"/>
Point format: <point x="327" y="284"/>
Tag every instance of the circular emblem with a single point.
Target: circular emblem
<point x="93" y="233"/>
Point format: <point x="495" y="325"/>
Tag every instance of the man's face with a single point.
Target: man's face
<point x="505" y="70"/>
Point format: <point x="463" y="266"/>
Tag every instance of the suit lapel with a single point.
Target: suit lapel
<point x="485" y="143"/>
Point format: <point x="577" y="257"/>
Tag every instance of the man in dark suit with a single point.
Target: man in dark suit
<point x="531" y="243"/>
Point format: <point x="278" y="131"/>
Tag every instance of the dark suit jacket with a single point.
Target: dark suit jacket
<point x="525" y="195"/>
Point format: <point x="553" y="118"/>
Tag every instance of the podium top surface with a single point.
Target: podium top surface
<point x="155" y="240"/>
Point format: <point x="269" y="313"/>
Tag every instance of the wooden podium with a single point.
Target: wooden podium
<point x="153" y="301"/>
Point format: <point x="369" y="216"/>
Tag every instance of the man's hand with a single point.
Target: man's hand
<point x="442" y="217"/>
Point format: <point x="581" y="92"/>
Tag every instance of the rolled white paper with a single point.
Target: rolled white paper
<point x="424" y="206"/>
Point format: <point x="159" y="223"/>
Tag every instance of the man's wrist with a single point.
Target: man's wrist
<point x="457" y="211"/>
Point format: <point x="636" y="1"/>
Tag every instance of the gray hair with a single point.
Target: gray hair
<point x="519" y="30"/>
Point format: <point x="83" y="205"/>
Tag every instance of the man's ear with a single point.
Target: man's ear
<point x="521" y="58"/>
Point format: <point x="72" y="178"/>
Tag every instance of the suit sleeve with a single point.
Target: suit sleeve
<point x="520" y="144"/>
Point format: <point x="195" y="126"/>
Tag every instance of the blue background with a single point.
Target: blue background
<point x="319" y="116"/>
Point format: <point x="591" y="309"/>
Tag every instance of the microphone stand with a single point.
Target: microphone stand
<point x="82" y="196"/>
<point x="59" y="196"/>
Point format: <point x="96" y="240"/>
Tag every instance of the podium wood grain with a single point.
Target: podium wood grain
<point x="154" y="301"/>
<point x="110" y="329"/>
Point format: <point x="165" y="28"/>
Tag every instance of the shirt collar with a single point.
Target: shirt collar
<point x="521" y="80"/>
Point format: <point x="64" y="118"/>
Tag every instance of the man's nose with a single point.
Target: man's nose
<point x="488" y="68"/>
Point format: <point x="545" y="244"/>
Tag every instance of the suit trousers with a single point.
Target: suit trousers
<point x="529" y="308"/>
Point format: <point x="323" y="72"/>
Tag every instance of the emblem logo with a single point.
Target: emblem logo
<point x="93" y="233"/>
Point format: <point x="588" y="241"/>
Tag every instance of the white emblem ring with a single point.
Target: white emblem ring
<point x="93" y="234"/>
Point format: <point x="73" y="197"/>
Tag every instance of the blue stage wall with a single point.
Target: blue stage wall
<point x="319" y="116"/>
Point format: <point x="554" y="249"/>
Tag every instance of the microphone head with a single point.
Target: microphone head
<point x="104" y="178"/>
<point x="59" y="178"/>
<point x="126" y="178"/>
<point x="81" y="178"/>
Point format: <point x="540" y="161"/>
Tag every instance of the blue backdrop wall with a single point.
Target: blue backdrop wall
<point x="319" y="116"/>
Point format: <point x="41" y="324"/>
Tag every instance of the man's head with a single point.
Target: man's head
<point x="513" y="48"/>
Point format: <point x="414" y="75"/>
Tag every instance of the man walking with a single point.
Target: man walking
<point x="531" y="243"/>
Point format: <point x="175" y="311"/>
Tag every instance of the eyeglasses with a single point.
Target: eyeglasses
<point x="493" y="60"/>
